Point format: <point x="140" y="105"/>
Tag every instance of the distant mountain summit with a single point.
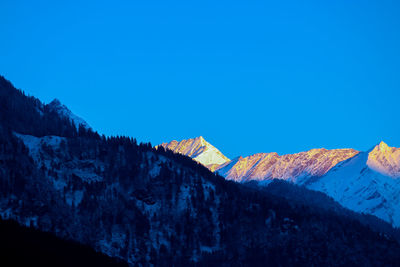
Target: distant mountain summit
<point x="199" y="150"/>
<point x="367" y="183"/>
<point x="385" y="160"/>
<point x="65" y="112"/>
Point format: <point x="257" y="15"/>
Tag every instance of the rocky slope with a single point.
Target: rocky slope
<point x="292" y="167"/>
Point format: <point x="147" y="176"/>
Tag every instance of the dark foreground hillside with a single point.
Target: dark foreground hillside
<point x="153" y="207"/>
<point x="23" y="246"/>
<point x="320" y="201"/>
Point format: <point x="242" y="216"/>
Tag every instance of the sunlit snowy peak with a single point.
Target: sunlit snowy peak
<point x="200" y="150"/>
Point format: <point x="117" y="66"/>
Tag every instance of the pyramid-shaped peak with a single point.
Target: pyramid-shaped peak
<point x="198" y="149"/>
<point x="385" y="160"/>
<point x="200" y="139"/>
<point x="381" y="147"/>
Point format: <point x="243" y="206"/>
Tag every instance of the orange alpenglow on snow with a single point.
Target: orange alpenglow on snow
<point x="261" y="166"/>
<point x="385" y="160"/>
<point x="361" y="181"/>
<point x="200" y="150"/>
<point x="293" y="167"/>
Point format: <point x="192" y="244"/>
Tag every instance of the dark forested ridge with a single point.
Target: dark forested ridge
<point x="23" y="246"/>
<point x="152" y="207"/>
<point x="320" y="201"/>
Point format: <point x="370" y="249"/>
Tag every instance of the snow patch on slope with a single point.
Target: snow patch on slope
<point x="42" y="150"/>
<point x="35" y="144"/>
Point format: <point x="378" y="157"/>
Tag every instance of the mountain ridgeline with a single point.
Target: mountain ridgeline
<point x="365" y="182"/>
<point x="150" y="206"/>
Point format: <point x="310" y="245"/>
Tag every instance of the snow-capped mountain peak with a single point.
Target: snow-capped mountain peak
<point x="198" y="149"/>
<point x="65" y="112"/>
<point x="385" y="160"/>
<point x="365" y="183"/>
<point x="361" y="181"/>
<point x="383" y="146"/>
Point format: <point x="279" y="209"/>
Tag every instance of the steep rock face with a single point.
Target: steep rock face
<point x="366" y="183"/>
<point x="65" y="112"/>
<point x="293" y="167"/>
<point x="199" y="150"/>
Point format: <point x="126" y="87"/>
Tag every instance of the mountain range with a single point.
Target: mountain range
<point x="149" y="206"/>
<point x="361" y="181"/>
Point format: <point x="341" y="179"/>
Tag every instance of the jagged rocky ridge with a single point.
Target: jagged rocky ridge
<point x="151" y="206"/>
<point x="291" y="167"/>
<point x="299" y="167"/>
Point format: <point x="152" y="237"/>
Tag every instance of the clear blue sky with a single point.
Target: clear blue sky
<point x="250" y="76"/>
